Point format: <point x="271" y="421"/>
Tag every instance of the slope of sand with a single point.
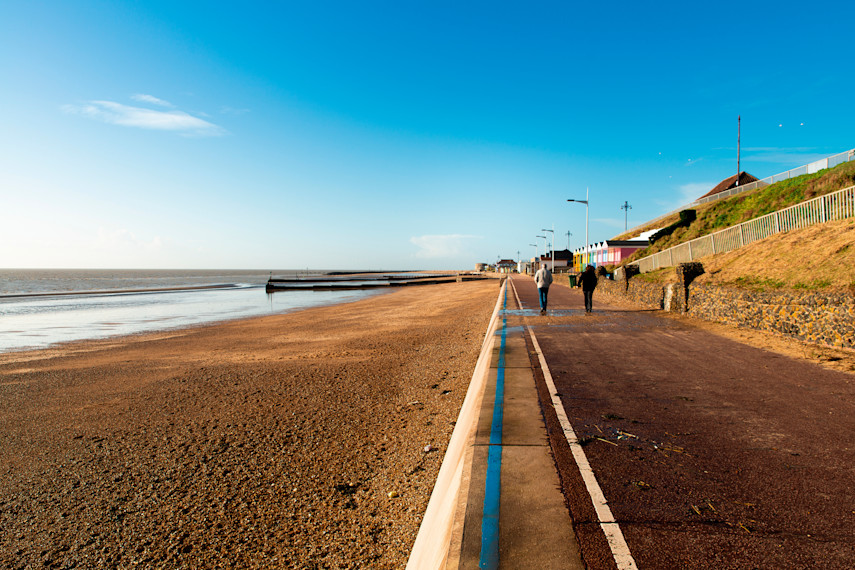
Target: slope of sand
<point x="263" y="443"/>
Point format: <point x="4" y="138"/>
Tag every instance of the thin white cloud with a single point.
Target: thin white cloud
<point x="233" y="111"/>
<point x="610" y="222"/>
<point x="687" y="193"/>
<point x="151" y="99"/>
<point x="794" y="156"/>
<point x="123" y="240"/>
<point x="142" y="118"/>
<point x="694" y="190"/>
<point x="440" y="246"/>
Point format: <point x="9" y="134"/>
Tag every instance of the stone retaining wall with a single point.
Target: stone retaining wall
<point x="649" y="295"/>
<point x="822" y="318"/>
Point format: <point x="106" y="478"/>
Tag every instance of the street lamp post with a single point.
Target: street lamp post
<point x="585" y="201"/>
<point x="544" y="250"/>
<point x="536" y="251"/>
<point x="626" y="208"/>
<point x="553" y="246"/>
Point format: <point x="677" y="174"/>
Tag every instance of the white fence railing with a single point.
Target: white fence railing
<point x="811" y="168"/>
<point x="835" y="206"/>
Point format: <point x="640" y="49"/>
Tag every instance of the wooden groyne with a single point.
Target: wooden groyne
<point x="361" y="282"/>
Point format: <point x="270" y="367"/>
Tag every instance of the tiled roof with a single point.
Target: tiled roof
<point x="728" y="183"/>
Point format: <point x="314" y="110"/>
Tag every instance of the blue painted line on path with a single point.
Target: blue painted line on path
<point x="492" y="485"/>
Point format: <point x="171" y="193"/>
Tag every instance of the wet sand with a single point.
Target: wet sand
<point x="272" y="442"/>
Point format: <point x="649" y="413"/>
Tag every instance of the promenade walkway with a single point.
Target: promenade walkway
<point x="671" y="448"/>
<point x="515" y="516"/>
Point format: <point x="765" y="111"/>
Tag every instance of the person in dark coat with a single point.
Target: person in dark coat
<point x="588" y="282"/>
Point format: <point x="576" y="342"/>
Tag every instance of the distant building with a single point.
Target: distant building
<point x="728" y="183"/>
<point x="506" y="266"/>
<point x="482" y="267"/>
<point x="563" y="258"/>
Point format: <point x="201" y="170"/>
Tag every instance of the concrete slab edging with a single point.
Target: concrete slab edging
<point x="433" y="542"/>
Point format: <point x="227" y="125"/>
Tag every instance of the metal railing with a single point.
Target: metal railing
<point x="811" y="168"/>
<point x="835" y="206"/>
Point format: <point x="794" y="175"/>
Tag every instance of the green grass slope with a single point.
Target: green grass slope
<point x="741" y="208"/>
<point x="817" y="258"/>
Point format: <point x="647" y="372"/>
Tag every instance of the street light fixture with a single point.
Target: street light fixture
<point x="544" y="250"/>
<point x="585" y="201"/>
<point x="553" y="246"/>
<point x="626" y="208"/>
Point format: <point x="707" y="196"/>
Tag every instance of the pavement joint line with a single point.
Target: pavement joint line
<point x="493" y="482"/>
<point x="617" y="543"/>
<point x="437" y="536"/>
<point x="506" y="445"/>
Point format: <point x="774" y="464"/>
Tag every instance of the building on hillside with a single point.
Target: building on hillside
<point x="731" y="182"/>
<point x="506" y="266"/>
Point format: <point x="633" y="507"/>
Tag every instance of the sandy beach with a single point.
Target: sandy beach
<point x="271" y="442"/>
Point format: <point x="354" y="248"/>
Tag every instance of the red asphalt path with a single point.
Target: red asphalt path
<point x="710" y="453"/>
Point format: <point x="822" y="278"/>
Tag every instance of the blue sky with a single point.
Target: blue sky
<point x="393" y="135"/>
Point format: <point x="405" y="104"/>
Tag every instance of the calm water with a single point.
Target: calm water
<point x="39" y="308"/>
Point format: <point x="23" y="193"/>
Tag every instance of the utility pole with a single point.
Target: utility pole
<point x="568" y="239"/>
<point x="738" y="145"/>
<point x="626" y="208"/>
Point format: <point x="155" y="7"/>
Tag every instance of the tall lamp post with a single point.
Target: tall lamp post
<point x="553" y="247"/>
<point x="585" y="201"/>
<point x="626" y="208"/>
<point x="536" y="251"/>
<point x="544" y="249"/>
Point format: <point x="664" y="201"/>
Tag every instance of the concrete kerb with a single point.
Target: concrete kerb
<point x="433" y="543"/>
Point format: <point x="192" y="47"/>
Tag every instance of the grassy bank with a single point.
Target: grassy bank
<point x="737" y="209"/>
<point x="820" y="257"/>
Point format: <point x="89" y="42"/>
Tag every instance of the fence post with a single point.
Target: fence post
<point x="777" y="223"/>
<point x="822" y="213"/>
<point x="691" y="253"/>
<point x="712" y="243"/>
<point x="741" y="239"/>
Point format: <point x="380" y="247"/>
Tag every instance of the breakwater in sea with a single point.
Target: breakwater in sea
<point x="41" y="308"/>
<point x="362" y="281"/>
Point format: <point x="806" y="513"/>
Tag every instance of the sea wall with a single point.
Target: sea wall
<point x="821" y="318"/>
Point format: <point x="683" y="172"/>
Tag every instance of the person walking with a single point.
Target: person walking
<point x="543" y="279"/>
<point x="588" y="282"/>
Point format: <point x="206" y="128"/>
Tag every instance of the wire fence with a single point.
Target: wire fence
<point x="835" y="206"/>
<point x="813" y="167"/>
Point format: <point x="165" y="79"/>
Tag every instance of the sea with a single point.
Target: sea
<point x="40" y="308"/>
